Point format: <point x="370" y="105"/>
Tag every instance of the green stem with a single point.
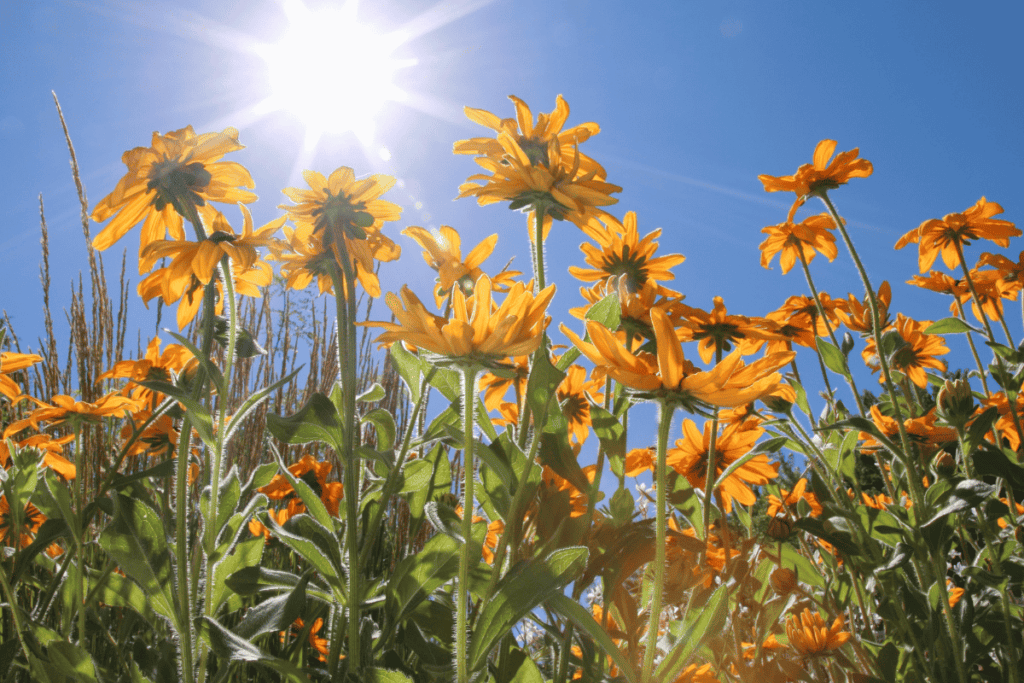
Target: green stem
<point x="538" y="247"/>
<point x="211" y="528"/>
<point x="665" y="410"/>
<point x="469" y="376"/>
<point x="80" y="533"/>
<point x="974" y="350"/>
<point x="831" y="332"/>
<point x="907" y="456"/>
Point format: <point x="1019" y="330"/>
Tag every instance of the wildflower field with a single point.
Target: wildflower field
<point x="404" y="499"/>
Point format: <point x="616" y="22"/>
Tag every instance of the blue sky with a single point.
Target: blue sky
<point x="694" y="99"/>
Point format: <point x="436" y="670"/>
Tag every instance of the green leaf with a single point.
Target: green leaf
<point x="607" y="311"/>
<point x="708" y="620"/>
<point x="119" y="591"/>
<point x="276" y="613"/>
<point x="584" y="620"/>
<point x="541" y="386"/>
<point x="317" y="420"/>
<point x="611" y="434"/>
<point x="409" y="368"/>
<point x="444" y="519"/>
<point x="371" y="395"/>
<point x="831" y="356"/>
<point x="374" y="675"/>
<point x="801" y="396"/>
<point x="253" y="401"/>
<point x="135" y="540"/>
<point x="69" y="661"/>
<point x="312" y="542"/>
<point x="416" y="475"/>
<point x="246" y="554"/>
<point x="231" y="647"/>
<point x="419" y="575"/>
<point x="212" y="371"/>
<point x="384" y="422"/>
<point x="950" y="326"/>
<point x="526" y="586"/>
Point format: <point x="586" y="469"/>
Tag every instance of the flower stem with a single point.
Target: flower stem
<point x="538" y="247"/>
<point x="469" y="376"/>
<point x="665" y="410"/>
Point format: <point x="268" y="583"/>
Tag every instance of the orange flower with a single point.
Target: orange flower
<point x="478" y="329"/>
<point x="178" y="173"/>
<point x="623" y="253"/>
<point x="52" y="450"/>
<point x="640" y="460"/>
<point x="345" y="216"/>
<point x="572" y="397"/>
<point x="717" y="330"/>
<point x="955" y="230"/>
<point x="155" y="365"/>
<point x="919" y="352"/>
<point x="533" y="139"/>
<point x="790" y="499"/>
<point x="634" y="305"/>
<point x="922" y="431"/>
<point x="690" y="459"/>
<point x="67" y="409"/>
<point x="730" y="383"/>
<point x="821" y="175"/>
<point x="31" y="520"/>
<point x="806" y="238"/>
<point x="14" y="362"/>
<point x="696" y="673"/>
<point x="809" y="636"/>
<point x="856" y="314"/>
<point x="443" y="253"/>
<point x="496" y="386"/>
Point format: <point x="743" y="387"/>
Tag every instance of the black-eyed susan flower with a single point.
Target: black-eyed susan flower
<point x="949" y="235"/>
<point x="65" y="409"/>
<point x="573" y="398"/>
<point x="443" y="253"/>
<point x="822" y="174"/>
<point x="799" y="241"/>
<point x="158" y="365"/>
<point x="855" y="313"/>
<point x="31" y="520"/>
<point x="730" y="383"/>
<point x="790" y="499"/>
<point x="532" y="137"/>
<point x="10" y="363"/>
<point x="343" y="215"/>
<point x="919" y="352"/>
<point x="716" y="331"/>
<point x="178" y="173"/>
<point x="690" y="459"/>
<point x="621" y="252"/>
<point x="478" y="331"/>
<point x="809" y="635"/>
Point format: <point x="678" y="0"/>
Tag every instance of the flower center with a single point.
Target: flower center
<point x="338" y="215"/>
<point x="536" y="151"/>
<point x="178" y="184"/>
<point x="633" y="266"/>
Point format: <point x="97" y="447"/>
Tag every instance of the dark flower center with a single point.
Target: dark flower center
<point x="633" y="266"/>
<point x="339" y="216"/>
<point x="178" y="184"/>
<point x="536" y="151"/>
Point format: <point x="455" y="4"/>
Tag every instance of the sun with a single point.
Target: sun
<point x="332" y="72"/>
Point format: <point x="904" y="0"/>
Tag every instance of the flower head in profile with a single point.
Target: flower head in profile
<point x="634" y="305"/>
<point x="345" y="216"/>
<point x="11" y="362"/>
<point x="789" y="500"/>
<point x="809" y="635"/>
<point x="31" y="520"/>
<point x="573" y="398"/>
<point x="949" y="235"/>
<point x="478" y="330"/>
<point x="822" y="175"/>
<point x="621" y="252"/>
<point x="799" y="242"/>
<point x="51" y="448"/>
<point x="855" y="313"/>
<point x="532" y="137"/>
<point x="690" y="459"/>
<point x="155" y="365"/>
<point x="443" y="253"/>
<point x="65" y="409"/>
<point x="178" y="173"/>
<point x="716" y="331"/>
<point x="919" y="351"/>
<point x="729" y="384"/>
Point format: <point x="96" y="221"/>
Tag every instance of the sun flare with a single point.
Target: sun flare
<point x="333" y="72"/>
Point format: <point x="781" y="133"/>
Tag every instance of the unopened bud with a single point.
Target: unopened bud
<point x="955" y="402"/>
<point x="780" y="528"/>
<point x="783" y="580"/>
<point x="777" y="405"/>
<point x="944" y="464"/>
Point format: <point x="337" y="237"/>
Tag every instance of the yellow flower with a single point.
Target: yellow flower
<point x="14" y="362"/>
<point x="345" y="215"/>
<point x="809" y="636"/>
<point x="789" y="500"/>
<point x="856" y="314"/>
<point x="729" y="384"/>
<point x="919" y="352"/>
<point x="532" y="138"/>
<point x="51" y="449"/>
<point x="717" y="330"/>
<point x="821" y="175"/>
<point x="690" y="459"/>
<point x="444" y="254"/>
<point x="155" y="365"/>
<point x="955" y="230"/>
<point x="634" y="305"/>
<point x="560" y="187"/>
<point x="808" y="238"/>
<point x="177" y="173"/>
<point x="622" y="252"/>
<point x="477" y="329"/>
<point x="572" y="397"/>
<point x="67" y="409"/>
